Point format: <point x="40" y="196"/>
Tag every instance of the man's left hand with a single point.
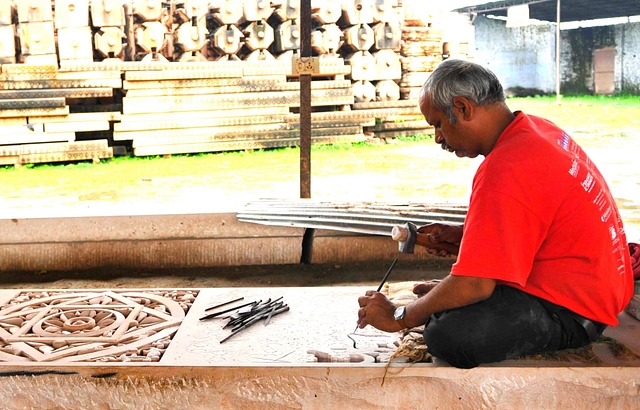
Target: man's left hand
<point x="377" y="310"/>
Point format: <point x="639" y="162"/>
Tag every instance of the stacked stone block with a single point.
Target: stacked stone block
<point x="368" y="34"/>
<point x="74" y="33"/>
<point x="7" y="33"/>
<point x="421" y="51"/>
<point x="226" y="37"/>
<point x="372" y="39"/>
<point x="108" y="19"/>
<point x="371" y="61"/>
<point x="286" y="20"/>
<point x="151" y="30"/>
<point x="35" y="28"/>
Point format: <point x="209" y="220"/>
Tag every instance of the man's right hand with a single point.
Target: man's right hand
<point x="439" y="233"/>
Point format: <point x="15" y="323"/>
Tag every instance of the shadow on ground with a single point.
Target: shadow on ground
<point x="367" y="273"/>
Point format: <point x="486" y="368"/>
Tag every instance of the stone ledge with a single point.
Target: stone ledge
<point x="173" y="240"/>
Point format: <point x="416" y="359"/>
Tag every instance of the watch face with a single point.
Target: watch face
<point x="399" y="312"/>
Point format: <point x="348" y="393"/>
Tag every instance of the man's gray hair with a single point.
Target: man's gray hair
<point x="459" y="78"/>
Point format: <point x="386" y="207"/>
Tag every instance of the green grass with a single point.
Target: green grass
<point x="123" y="177"/>
<point x="584" y="112"/>
<point x="589" y="118"/>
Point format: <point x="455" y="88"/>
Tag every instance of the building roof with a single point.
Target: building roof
<point x="570" y="10"/>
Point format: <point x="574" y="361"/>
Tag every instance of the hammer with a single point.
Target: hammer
<point x="408" y="236"/>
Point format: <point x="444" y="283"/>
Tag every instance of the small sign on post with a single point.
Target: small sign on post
<point x="305" y="65"/>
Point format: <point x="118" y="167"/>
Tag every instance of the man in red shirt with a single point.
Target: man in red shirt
<point x="543" y="262"/>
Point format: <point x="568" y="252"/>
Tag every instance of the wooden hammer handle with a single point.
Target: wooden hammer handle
<point x="400" y="234"/>
<point x="422" y="239"/>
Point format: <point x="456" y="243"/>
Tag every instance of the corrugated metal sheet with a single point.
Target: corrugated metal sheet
<point x="367" y="217"/>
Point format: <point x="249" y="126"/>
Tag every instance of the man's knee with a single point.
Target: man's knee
<point x="445" y="340"/>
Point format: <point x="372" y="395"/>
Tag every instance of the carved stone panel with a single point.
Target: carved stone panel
<point x="91" y="326"/>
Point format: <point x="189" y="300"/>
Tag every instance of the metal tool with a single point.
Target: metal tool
<point x="224" y="304"/>
<point x="212" y="315"/>
<point x="382" y="282"/>
<point x="247" y="314"/>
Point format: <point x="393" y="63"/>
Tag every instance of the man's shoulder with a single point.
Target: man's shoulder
<point x="528" y="138"/>
<point x="533" y="124"/>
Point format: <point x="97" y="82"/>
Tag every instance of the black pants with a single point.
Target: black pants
<point x="509" y="323"/>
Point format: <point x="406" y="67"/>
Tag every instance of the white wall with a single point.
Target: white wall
<point x="523" y="56"/>
<point x="628" y="58"/>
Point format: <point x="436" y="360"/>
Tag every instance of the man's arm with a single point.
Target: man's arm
<point x="453" y="292"/>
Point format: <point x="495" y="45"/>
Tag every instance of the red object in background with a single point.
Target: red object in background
<point x="634" y="250"/>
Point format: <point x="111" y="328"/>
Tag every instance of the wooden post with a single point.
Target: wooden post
<point x="305" y="124"/>
<point x="305" y="102"/>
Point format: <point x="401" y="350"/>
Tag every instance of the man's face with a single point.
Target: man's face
<point x="455" y="138"/>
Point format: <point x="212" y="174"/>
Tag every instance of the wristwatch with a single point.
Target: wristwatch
<point x="398" y="315"/>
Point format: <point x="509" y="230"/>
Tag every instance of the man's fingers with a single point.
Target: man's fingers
<point x="419" y="288"/>
<point x="422" y="289"/>
<point x="436" y="252"/>
<point x="362" y="315"/>
<point x="366" y="299"/>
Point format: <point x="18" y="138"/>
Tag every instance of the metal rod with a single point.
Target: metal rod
<point x="384" y="279"/>
<point x="130" y="49"/>
<point x="495" y="6"/>
<point x="262" y="313"/>
<point x="210" y="315"/>
<point x="382" y="282"/>
<point x="269" y="316"/>
<point x="257" y="309"/>
<point x="558" y="51"/>
<point x="225" y="303"/>
<point x="285" y="308"/>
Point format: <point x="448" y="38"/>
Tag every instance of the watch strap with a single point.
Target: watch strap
<point x="400" y="320"/>
<point x="401" y="323"/>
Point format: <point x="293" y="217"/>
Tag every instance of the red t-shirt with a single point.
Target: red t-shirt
<point x="541" y="219"/>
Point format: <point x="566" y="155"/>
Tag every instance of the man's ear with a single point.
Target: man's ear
<point x="464" y="106"/>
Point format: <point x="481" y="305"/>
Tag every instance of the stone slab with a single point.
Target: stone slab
<point x="322" y="387"/>
<point x="257" y="369"/>
<point x="627" y="331"/>
<point x="6" y="295"/>
<point x="130" y="228"/>
<point x="319" y="319"/>
<point x="318" y="328"/>
<point x="151" y="241"/>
